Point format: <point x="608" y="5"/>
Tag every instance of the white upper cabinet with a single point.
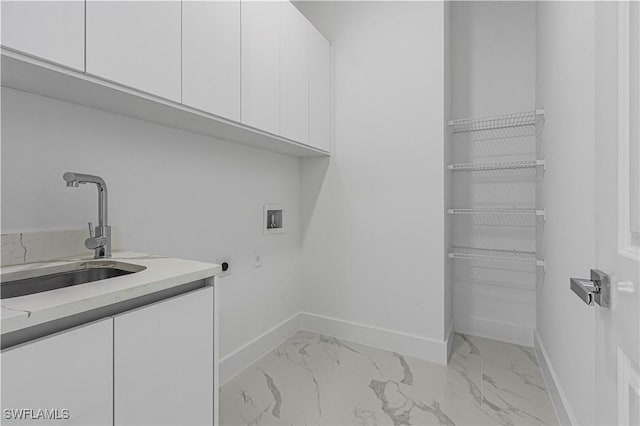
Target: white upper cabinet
<point x="286" y="74"/>
<point x="70" y="370"/>
<point x="211" y="57"/>
<point x="294" y="74"/>
<point x="136" y="43"/>
<point x="256" y="62"/>
<point x="319" y="91"/>
<point x="261" y="64"/>
<point x="163" y="362"/>
<point x="50" y="30"/>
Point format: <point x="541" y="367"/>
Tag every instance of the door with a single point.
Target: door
<point x="51" y="30"/>
<point x="319" y="90"/>
<point x="211" y="56"/>
<point x="70" y="374"/>
<point x="294" y="74"/>
<point x="164" y="362"/>
<point x="617" y="328"/>
<point x="260" y="77"/>
<point x="136" y="43"/>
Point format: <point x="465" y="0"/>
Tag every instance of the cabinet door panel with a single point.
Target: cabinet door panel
<point x="211" y="57"/>
<point x="294" y="74"/>
<point x="261" y="64"/>
<point x="137" y="44"/>
<point x="51" y="30"/>
<point x="319" y="91"/>
<point x="70" y="370"/>
<point x="163" y="362"/>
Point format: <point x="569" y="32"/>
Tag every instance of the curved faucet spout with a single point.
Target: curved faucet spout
<point x="77" y="178"/>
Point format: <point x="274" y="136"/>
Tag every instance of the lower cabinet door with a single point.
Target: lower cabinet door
<point x="62" y="379"/>
<point x="163" y="362"/>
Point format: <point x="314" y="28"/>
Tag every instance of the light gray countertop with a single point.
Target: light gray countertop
<point x="161" y="273"/>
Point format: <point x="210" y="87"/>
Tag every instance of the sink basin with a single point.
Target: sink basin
<point x="40" y="280"/>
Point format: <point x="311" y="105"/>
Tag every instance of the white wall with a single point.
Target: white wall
<point x="493" y="53"/>
<point x="171" y="192"/>
<point x="493" y="57"/>
<point x="373" y="216"/>
<point x="565" y="89"/>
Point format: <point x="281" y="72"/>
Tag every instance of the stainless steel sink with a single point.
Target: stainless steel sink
<point x="23" y="283"/>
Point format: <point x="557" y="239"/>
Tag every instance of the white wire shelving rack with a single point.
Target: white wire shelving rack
<point x="486" y="124"/>
<point x="516" y="119"/>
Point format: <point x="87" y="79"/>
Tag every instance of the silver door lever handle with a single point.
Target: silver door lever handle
<point x="584" y="289"/>
<point x="597" y="289"/>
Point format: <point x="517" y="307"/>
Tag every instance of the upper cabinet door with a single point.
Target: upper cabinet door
<point x="70" y="370"/>
<point x="136" y="43"/>
<point x="261" y="64"/>
<point x="50" y="30"/>
<point x="211" y="57"/>
<point x="294" y="74"/>
<point x="319" y="91"/>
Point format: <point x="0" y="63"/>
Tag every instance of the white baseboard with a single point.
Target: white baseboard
<point x="404" y="343"/>
<point x="450" y="341"/>
<point x="240" y="359"/>
<point x="518" y="334"/>
<point x="556" y="393"/>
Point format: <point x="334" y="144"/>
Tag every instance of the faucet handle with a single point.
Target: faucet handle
<point x="94" y="242"/>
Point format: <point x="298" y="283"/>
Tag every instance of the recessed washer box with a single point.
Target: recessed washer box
<point x="273" y="221"/>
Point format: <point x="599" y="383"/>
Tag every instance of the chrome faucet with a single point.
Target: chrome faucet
<point x="100" y="240"/>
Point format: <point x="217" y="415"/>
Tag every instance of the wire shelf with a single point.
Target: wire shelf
<point x="511" y="256"/>
<point x="477" y="167"/>
<point x="501" y="211"/>
<point x="518" y="119"/>
<point x="493" y="283"/>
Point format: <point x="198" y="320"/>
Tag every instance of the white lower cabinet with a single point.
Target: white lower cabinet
<point x="71" y="370"/>
<point x="163" y="362"/>
<point x="150" y="366"/>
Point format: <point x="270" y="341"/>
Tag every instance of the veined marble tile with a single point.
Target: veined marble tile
<point x="313" y="379"/>
<point x="512" y="384"/>
<point x="13" y="251"/>
<point x="40" y="246"/>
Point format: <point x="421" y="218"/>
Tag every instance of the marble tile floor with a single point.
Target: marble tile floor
<point x="313" y="379"/>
